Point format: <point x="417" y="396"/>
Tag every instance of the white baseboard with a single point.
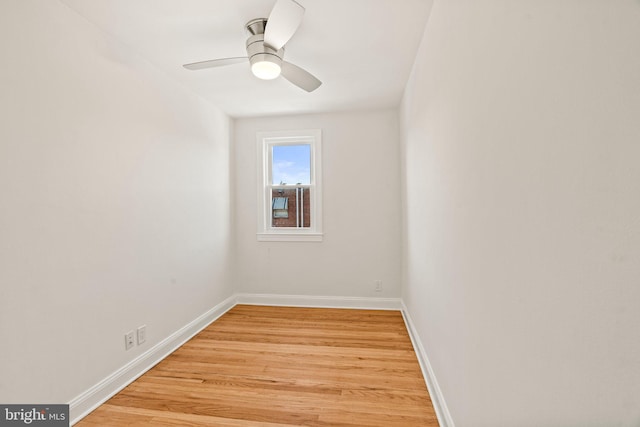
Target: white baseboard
<point x="86" y="402"/>
<point x="320" y="301"/>
<point x="439" y="404"/>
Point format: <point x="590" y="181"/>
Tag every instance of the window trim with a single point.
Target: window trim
<point x="266" y="140"/>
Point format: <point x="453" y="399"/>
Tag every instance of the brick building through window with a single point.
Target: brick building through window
<point x="291" y="207"/>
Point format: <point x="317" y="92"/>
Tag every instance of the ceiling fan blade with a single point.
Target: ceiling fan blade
<point x="284" y="20"/>
<point x="215" y="63"/>
<point x="299" y="77"/>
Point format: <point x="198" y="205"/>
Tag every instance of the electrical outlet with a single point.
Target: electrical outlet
<point x="128" y="340"/>
<point x="142" y="334"/>
<point x="378" y="284"/>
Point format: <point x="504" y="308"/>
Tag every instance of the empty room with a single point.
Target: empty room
<point x="320" y="213"/>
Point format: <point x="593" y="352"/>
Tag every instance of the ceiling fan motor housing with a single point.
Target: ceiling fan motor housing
<point x="257" y="51"/>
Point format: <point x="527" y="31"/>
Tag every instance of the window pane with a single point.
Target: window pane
<point x="291" y="207"/>
<point x="291" y="164"/>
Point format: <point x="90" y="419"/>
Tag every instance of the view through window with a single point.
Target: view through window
<point x="290" y="180"/>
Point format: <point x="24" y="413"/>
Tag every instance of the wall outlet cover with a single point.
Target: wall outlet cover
<point x="128" y="340"/>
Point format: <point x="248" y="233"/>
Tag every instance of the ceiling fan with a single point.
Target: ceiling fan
<point x="265" y="47"/>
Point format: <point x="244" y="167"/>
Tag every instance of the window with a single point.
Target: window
<point x="280" y="207"/>
<point x="289" y="186"/>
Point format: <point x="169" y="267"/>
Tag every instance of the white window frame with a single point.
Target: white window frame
<point x="267" y="140"/>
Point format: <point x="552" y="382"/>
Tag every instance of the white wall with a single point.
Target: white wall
<point x="521" y="149"/>
<point x="361" y="217"/>
<point x="115" y="203"/>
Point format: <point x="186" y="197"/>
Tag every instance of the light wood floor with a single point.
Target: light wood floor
<point x="282" y="366"/>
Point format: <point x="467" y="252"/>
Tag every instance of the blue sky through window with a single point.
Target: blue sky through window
<point x="291" y="164"/>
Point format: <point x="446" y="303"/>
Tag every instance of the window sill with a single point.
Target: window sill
<point x="290" y="237"/>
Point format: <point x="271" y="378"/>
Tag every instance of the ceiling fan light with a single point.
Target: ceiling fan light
<point x="265" y="70"/>
<point x="264" y="65"/>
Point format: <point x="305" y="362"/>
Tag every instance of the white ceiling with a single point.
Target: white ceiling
<point x="362" y="50"/>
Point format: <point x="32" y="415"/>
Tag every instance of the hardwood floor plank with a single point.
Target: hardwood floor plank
<point x="359" y="419"/>
<point x="164" y="418"/>
<point x="282" y="366"/>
